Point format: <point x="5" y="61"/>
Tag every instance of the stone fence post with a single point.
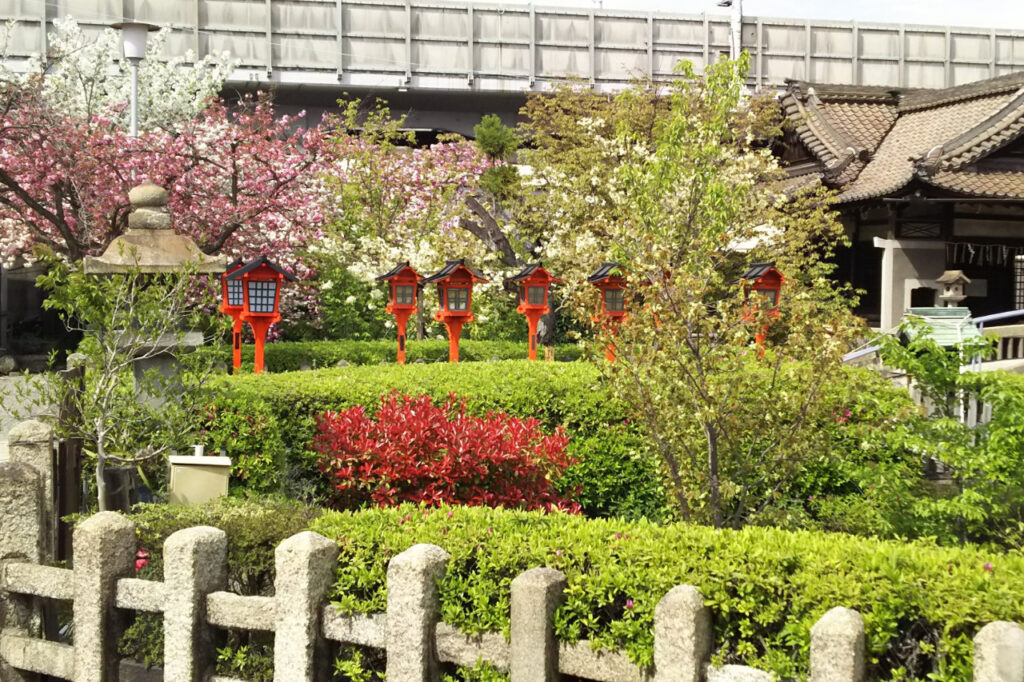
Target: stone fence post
<point x="837" y="647"/>
<point x="413" y="612"/>
<point x="31" y="442"/>
<point x="999" y="653"/>
<point x="305" y="571"/>
<point x="105" y="546"/>
<point x="682" y="636"/>
<point x="195" y="564"/>
<point x="533" y="656"/>
<point x="21" y="540"/>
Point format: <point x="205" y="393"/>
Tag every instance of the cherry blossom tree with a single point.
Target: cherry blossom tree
<point x="242" y="181"/>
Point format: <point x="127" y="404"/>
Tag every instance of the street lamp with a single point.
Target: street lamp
<point x="534" y="284"/>
<point x="261" y="294"/>
<point x="610" y="281"/>
<point x="133" y="41"/>
<point x="455" y="294"/>
<point x="404" y="282"/>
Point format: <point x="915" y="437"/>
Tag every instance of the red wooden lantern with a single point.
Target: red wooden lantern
<point x="232" y="303"/>
<point x="534" y="287"/>
<point x="762" y="286"/>
<point x="261" y="292"/>
<point x="402" y="303"/>
<point x="455" y="294"/>
<point x="608" y="278"/>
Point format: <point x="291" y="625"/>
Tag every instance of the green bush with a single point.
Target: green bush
<point x="921" y="604"/>
<point x="291" y="356"/>
<point x="254" y="528"/>
<point x="618" y="473"/>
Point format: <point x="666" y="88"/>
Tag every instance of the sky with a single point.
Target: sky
<point x="1002" y="14"/>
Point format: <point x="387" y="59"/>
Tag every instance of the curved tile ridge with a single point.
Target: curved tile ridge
<point x="823" y="139"/>
<point x="995" y="132"/>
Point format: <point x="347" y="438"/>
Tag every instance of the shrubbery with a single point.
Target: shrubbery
<point x="292" y="356"/>
<point x="254" y="529"/>
<point x="415" y="451"/>
<point x="618" y="473"/>
<point x="921" y="604"/>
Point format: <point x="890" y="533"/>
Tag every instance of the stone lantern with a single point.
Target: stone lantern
<point x="150" y="245"/>
<point x="954" y="283"/>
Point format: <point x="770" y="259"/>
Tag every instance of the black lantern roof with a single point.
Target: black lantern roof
<point x="234" y="264"/>
<point x="527" y="271"/>
<point x="391" y="274"/>
<point x="450" y="267"/>
<point x="604" y="272"/>
<point x="757" y="270"/>
<point x="263" y="260"/>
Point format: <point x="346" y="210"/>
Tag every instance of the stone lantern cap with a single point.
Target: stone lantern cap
<point x="953" y="277"/>
<point x="150" y="244"/>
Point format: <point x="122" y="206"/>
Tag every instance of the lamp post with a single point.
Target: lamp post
<point x="455" y="294"/>
<point x="609" y="280"/>
<point x="133" y="42"/>
<point x="765" y="282"/>
<point x="404" y="282"/>
<point x="233" y="303"/>
<point x="261" y="292"/>
<point x="534" y="286"/>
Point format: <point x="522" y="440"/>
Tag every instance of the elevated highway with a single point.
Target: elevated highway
<point x="446" y="62"/>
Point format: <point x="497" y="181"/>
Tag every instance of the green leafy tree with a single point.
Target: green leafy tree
<point x="128" y="416"/>
<point x="731" y="419"/>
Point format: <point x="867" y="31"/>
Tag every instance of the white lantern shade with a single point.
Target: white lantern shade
<point x="133" y="39"/>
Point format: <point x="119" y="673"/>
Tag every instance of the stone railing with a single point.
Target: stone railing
<point x="193" y="599"/>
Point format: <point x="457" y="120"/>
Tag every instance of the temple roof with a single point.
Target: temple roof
<point x="870" y="142"/>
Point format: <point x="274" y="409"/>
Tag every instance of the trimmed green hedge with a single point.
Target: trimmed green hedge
<point x="291" y="356"/>
<point x="921" y="604"/>
<point x="619" y="474"/>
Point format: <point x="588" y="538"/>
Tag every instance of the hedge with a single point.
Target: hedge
<point x="617" y="470"/>
<point x="921" y="603"/>
<point x="291" y="356"/>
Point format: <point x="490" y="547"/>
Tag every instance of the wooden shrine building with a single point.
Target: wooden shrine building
<point x="927" y="181"/>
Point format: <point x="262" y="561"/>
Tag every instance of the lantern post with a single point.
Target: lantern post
<point x="534" y="284"/>
<point x="765" y="283"/>
<point x="455" y="295"/>
<point x="233" y="303"/>
<point x="609" y="280"/>
<point x="404" y="283"/>
<point x="261" y="293"/>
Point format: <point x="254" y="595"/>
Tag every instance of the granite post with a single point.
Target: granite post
<point x="999" y="653"/>
<point x="413" y="612"/>
<point x="195" y="564"/>
<point x="21" y="540"/>
<point x="533" y="656"/>
<point x="837" y="647"/>
<point x="305" y="571"/>
<point x="31" y="442"/>
<point x="682" y="636"/>
<point x="104" y="552"/>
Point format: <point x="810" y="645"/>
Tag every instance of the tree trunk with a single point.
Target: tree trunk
<point x="101" y="483"/>
<point x="420" y="323"/>
<point x="546" y="329"/>
<point x="714" y="491"/>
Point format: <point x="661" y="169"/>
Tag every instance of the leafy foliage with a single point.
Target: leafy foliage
<point x="766" y="587"/>
<point x="617" y="472"/>
<point x="248" y="434"/>
<point x="415" y="451"/>
<point x="291" y="356"/>
<point x="254" y="529"/>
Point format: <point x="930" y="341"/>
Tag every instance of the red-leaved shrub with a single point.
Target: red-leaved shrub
<point x="415" y="451"/>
